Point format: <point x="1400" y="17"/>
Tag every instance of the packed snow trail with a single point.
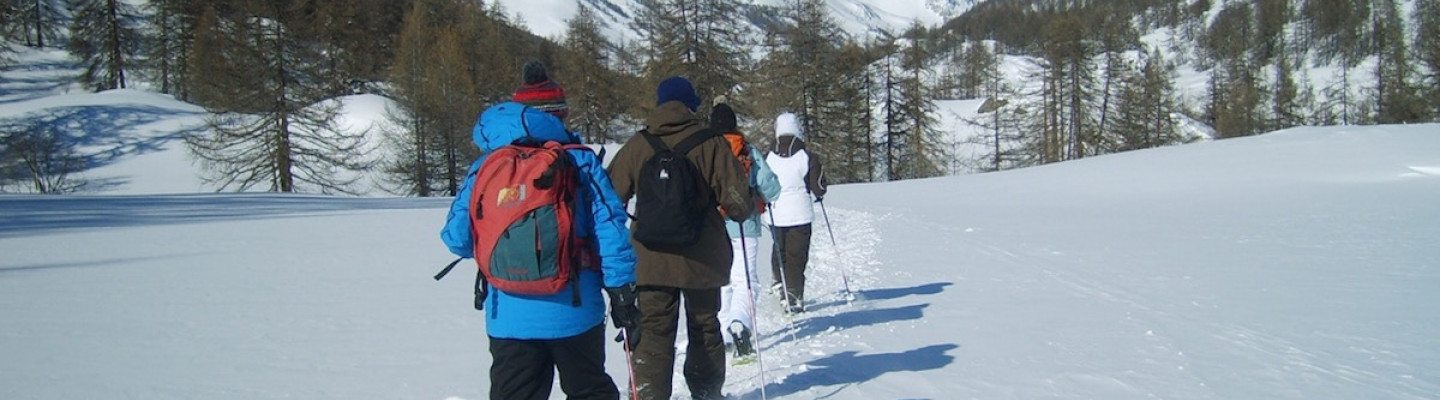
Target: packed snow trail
<point x="820" y="330"/>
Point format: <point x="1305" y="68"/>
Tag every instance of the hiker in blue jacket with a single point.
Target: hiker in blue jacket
<point x="532" y="336"/>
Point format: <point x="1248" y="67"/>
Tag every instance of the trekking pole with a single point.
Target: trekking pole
<point x="630" y="364"/>
<point x="844" y="277"/>
<point x="754" y="317"/>
<point x="784" y="285"/>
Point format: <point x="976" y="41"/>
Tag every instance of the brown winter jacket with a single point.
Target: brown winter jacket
<point x="706" y="264"/>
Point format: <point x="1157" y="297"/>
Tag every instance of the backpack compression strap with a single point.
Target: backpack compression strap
<point x="694" y="140"/>
<point x="684" y="146"/>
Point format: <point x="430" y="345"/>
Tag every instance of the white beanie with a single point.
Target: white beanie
<point x="788" y="124"/>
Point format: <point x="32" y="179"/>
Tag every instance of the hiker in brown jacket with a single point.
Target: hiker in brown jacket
<point x="695" y="272"/>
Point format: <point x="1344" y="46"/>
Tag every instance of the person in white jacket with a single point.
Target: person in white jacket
<point x="802" y="183"/>
<point x="737" y="299"/>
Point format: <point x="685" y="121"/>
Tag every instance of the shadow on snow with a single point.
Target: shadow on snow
<point x="30" y="215"/>
<point x="817" y="324"/>
<point x="895" y="293"/>
<point x="850" y="368"/>
<point x="86" y="264"/>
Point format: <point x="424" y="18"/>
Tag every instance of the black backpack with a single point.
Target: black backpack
<point x="668" y="214"/>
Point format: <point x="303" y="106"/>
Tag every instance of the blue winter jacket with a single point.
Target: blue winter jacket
<point x="551" y="316"/>
<point x="764" y="182"/>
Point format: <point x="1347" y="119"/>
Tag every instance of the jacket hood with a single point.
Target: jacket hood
<point x="788" y="145"/>
<point x="788" y="124"/>
<point x="503" y="123"/>
<point x="671" y="118"/>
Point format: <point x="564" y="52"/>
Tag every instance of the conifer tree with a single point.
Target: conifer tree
<point x="852" y="140"/>
<point x="1395" y="95"/>
<point x="593" y="90"/>
<point x="1115" y="36"/>
<point x="923" y="154"/>
<point x="979" y="68"/>
<point x="273" y="126"/>
<point x="1339" y="29"/>
<point x="1271" y="16"/>
<point x="1427" y="49"/>
<point x="1286" y="108"/>
<point x="434" y="109"/>
<point x="1005" y="121"/>
<point x="9" y="11"/>
<point x="105" y="38"/>
<point x="171" y="34"/>
<point x="1235" y="99"/>
<point x="702" y="40"/>
<point x="39" y="21"/>
<point x="357" y="39"/>
<point x="1145" y="106"/>
<point x="1069" y="90"/>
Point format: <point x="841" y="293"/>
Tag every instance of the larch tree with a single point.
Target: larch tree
<point x="434" y="107"/>
<point x="358" y="39"/>
<point x="1340" y="31"/>
<point x="1069" y="90"/>
<point x="1396" y="97"/>
<point x="923" y="154"/>
<point x="801" y="74"/>
<point x="1001" y="116"/>
<point x="1427" y="49"/>
<point x="40" y="22"/>
<point x="170" y="36"/>
<point x="273" y="126"/>
<point x="978" y="67"/>
<point x="1235" y="107"/>
<point x="702" y="40"/>
<point x="105" y="37"/>
<point x="1145" y="106"/>
<point x="592" y="88"/>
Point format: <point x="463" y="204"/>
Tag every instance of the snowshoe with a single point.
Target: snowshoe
<point x="743" y="345"/>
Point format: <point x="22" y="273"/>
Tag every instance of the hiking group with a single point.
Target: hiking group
<point x="548" y="226"/>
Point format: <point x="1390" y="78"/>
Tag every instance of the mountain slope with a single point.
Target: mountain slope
<point x="857" y="17"/>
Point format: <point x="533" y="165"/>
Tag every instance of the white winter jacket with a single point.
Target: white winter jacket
<point x="800" y="175"/>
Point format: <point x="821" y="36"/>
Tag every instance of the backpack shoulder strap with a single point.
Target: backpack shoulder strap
<point x="655" y="142"/>
<point x="695" y="140"/>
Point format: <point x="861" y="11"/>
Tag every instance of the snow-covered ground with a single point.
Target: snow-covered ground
<point x="1299" y="264"/>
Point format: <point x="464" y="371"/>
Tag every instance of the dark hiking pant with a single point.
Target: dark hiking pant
<point x="790" y="256"/>
<point x="525" y="369"/>
<point x="655" y="356"/>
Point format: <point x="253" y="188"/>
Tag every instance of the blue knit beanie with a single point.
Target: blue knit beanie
<point x="677" y="89"/>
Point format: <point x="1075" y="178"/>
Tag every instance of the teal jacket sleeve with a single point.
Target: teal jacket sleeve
<point x="456" y="234"/>
<point x="612" y="236"/>
<point x="763" y="178"/>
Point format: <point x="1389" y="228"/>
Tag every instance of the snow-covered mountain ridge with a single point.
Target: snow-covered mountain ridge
<point x="857" y="17"/>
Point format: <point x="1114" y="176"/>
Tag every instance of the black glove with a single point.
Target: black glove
<point x="625" y="313"/>
<point x="819" y="199"/>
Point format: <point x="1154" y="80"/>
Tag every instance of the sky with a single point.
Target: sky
<point x="1298" y="264"/>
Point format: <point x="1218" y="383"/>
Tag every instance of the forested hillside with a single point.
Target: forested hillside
<point x="1062" y="80"/>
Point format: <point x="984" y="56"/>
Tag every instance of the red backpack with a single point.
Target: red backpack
<point x="521" y="216"/>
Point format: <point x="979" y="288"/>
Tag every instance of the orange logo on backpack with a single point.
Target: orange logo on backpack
<point x="509" y="196"/>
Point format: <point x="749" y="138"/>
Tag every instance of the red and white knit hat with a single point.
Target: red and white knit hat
<point x="540" y="92"/>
